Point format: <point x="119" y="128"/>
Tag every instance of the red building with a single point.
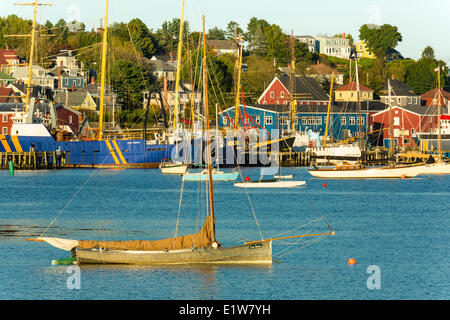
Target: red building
<point x="7" y="110"/>
<point x="431" y="98"/>
<point x="68" y="116"/>
<point x="407" y="122"/>
<point x="307" y="91"/>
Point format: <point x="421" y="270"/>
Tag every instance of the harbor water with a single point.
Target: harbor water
<point x="396" y="230"/>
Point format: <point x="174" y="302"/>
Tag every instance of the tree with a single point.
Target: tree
<point x="216" y="34"/>
<point x="259" y="74"/>
<point x="232" y="29"/>
<point x="422" y="77"/>
<point x="168" y="35"/>
<point x="255" y="35"/>
<point x="428" y="52"/>
<point x="142" y="38"/>
<point x="126" y="80"/>
<point x="380" y="39"/>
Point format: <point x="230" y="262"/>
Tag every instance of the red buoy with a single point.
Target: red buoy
<point x="247" y="178"/>
<point x="324" y="185"/>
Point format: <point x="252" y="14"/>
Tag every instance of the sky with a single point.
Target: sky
<point x="420" y="22"/>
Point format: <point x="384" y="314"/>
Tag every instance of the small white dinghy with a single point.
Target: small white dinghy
<point x="272" y="183"/>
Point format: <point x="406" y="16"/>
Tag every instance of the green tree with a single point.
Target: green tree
<point x="380" y="39"/>
<point x="216" y="34"/>
<point x="231" y="30"/>
<point x="428" y="52"/>
<point x="422" y="77"/>
<point x="255" y="36"/>
<point x="259" y="74"/>
<point x="168" y="35"/>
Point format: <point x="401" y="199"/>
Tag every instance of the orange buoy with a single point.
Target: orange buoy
<point x="247" y="178"/>
<point x="351" y="261"/>
<point x="403" y="176"/>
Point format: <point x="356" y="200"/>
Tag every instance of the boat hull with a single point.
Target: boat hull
<point x="177" y="169"/>
<point x="368" y="173"/>
<point x="275" y="184"/>
<point x="217" y="176"/>
<point x="93" y="154"/>
<point x="255" y="253"/>
<point x="436" y="168"/>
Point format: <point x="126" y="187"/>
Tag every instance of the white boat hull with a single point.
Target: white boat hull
<point x="436" y="168"/>
<point x="170" y="168"/>
<point x="275" y="184"/>
<point x="368" y="173"/>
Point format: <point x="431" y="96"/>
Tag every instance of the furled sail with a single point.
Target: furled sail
<point x="204" y="238"/>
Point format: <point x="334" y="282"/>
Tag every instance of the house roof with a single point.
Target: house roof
<point x="420" y="110"/>
<point x="399" y="89"/>
<point x="305" y="86"/>
<point x="7" y="54"/>
<point x="321" y="68"/>
<point x="351" y="86"/>
<point x="10" y="107"/>
<point x="75" y="98"/>
<point x="6" y="92"/>
<point x="158" y="65"/>
<point x="222" y="44"/>
<point x="434" y="93"/>
<point x="4" y="76"/>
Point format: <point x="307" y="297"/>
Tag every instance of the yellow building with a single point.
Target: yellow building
<point x="363" y="50"/>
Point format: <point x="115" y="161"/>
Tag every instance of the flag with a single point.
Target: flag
<point x="436" y="69"/>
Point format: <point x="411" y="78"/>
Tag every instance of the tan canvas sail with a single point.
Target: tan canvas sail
<point x="204" y="238"/>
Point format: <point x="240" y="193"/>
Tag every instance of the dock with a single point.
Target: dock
<point x="41" y="160"/>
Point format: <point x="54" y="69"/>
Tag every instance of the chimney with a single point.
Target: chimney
<point x="343" y="35"/>
<point x="393" y="76"/>
<point x="171" y="56"/>
<point x="92" y="80"/>
<point x="7" y="48"/>
<point x="67" y="98"/>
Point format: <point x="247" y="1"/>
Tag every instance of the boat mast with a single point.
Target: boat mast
<point x="103" y="71"/>
<point x="293" y="111"/>
<point x="208" y="138"/>
<point x="439" y="112"/>
<point x="361" y="141"/>
<point x="177" y="82"/>
<point x="391" y="123"/>
<point x="328" y="111"/>
<point x="35" y="4"/>
<point x="237" y="110"/>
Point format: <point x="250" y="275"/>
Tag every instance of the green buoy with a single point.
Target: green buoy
<point x="66" y="261"/>
<point x="11" y="168"/>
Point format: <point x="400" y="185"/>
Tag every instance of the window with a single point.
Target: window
<point x="269" y="120"/>
<point x="272" y="95"/>
<point x="396" y="121"/>
<point x="362" y="119"/>
<point x="310" y="120"/>
<point x="224" y="120"/>
<point x="282" y="94"/>
<point x="343" y="120"/>
<point x="319" y="121"/>
<point x="5" y="130"/>
<point x="258" y="119"/>
<point x="70" y="119"/>
<point x="5" y="118"/>
<point x="304" y="121"/>
<point x="351" y="120"/>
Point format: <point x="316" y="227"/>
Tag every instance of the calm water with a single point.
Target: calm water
<point x="401" y="226"/>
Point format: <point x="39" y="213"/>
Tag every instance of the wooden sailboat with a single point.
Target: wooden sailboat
<point x="440" y="166"/>
<point x="360" y="171"/>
